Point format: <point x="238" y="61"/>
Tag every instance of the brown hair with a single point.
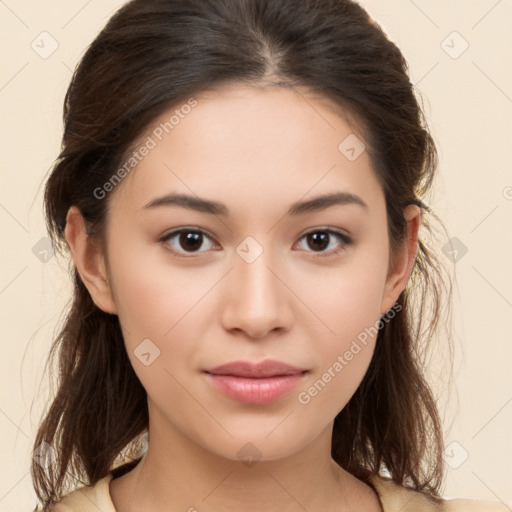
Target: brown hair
<point x="148" y="58"/>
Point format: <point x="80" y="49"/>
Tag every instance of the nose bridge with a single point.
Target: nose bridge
<point x="259" y="302"/>
<point x="255" y="282"/>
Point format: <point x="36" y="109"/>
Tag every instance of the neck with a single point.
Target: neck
<point x="178" y="474"/>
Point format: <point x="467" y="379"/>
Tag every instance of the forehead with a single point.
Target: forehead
<point x="251" y="144"/>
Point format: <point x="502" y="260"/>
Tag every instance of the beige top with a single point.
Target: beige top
<point x="393" y="497"/>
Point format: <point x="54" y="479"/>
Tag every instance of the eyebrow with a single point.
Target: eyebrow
<point x="215" y="208"/>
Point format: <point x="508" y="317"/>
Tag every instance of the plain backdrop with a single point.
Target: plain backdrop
<point x="457" y="51"/>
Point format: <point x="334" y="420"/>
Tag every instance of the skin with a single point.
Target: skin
<point x="257" y="151"/>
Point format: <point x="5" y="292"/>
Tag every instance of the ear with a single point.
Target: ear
<point x="89" y="260"/>
<point x="402" y="260"/>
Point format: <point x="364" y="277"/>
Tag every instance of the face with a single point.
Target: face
<point x="254" y="277"/>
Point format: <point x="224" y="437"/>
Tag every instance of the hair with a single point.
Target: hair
<point x="151" y="56"/>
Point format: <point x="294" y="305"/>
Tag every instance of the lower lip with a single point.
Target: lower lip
<point x="255" y="391"/>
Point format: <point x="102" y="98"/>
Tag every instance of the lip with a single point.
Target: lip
<point x="255" y="383"/>
<point x="267" y="368"/>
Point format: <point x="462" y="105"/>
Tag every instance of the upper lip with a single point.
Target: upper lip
<point x="267" y="368"/>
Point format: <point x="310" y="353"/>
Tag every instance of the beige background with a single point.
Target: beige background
<point x="469" y="105"/>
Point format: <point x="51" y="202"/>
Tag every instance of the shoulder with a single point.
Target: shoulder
<point x="468" y="505"/>
<point x="89" y="498"/>
<point x="396" y="498"/>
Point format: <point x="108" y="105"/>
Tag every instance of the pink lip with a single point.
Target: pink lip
<point x="251" y="383"/>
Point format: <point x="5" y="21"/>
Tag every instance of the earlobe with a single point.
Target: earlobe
<point x="89" y="260"/>
<point x="403" y="260"/>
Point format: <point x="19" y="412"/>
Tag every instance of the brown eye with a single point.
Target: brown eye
<point x="185" y="241"/>
<point x="318" y="241"/>
<point x="190" y="241"/>
<point x="321" y="239"/>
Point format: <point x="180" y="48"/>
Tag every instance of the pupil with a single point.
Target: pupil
<point x="192" y="240"/>
<point x="321" y="238"/>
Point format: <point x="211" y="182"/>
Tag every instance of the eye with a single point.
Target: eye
<point x="185" y="240"/>
<point x="320" y="239"/>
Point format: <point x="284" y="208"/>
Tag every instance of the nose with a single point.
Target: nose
<point x="257" y="300"/>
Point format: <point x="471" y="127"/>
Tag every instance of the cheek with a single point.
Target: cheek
<point x="161" y="309"/>
<point x="348" y="301"/>
<point x="152" y="296"/>
<point x="342" y="358"/>
<point x="155" y="307"/>
<point x="348" y="298"/>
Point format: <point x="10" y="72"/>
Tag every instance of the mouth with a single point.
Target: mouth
<point x="255" y="383"/>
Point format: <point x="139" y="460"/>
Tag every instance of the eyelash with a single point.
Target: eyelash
<point x="346" y="241"/>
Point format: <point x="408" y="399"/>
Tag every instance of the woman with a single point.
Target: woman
<point x="240" y="190"/>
